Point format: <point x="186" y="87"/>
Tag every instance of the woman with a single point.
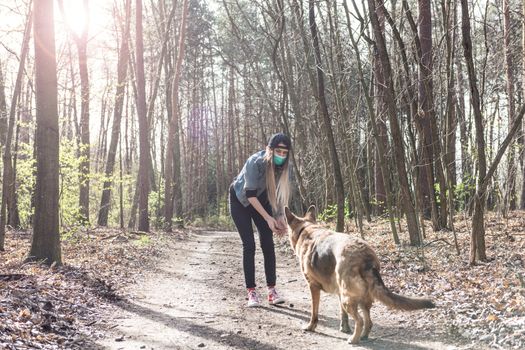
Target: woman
<point x="259" y="194"/>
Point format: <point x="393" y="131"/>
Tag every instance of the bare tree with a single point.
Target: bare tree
<point x="380" y="180"/>
<point x="521" y="138"/>
<point x="477" y="237"/>
<point x="383" y="164"/>
<point x="327" y="125"/>
<point x="8" y="181"/>
<point x="81" y="41"/>
<point x="399" y="154"/>
<point x="143" y="183"/>
<point x="449" y="17"/>
<point x="45" y="243"/>
<point x="3" y="108"/>
<point x="172" y="162"/>
<point x="122" y="71"/>
<point x="510" y="191"/>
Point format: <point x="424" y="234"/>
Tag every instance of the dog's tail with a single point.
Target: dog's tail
<point x="396" y="301"/>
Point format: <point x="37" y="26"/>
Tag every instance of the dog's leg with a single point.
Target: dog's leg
<point x="344" y="326"/>
<point x="368" y="321"/>
<point x="351" y="308"/>
<point x="315" y="292"/>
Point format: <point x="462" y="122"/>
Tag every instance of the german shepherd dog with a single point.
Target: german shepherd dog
<point x="340" y="264"/>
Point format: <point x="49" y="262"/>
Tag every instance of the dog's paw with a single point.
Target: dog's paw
<point x="353" y="340"/>
<point x="345" y="329"/>
<point x="309" y="327"/>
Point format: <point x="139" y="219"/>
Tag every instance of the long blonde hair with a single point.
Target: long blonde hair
<point x="278" y="193"/>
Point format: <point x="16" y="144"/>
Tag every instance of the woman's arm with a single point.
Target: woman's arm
<point x="260" y="209"/>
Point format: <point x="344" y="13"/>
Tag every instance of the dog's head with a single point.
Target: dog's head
<point x="298" y="224"/>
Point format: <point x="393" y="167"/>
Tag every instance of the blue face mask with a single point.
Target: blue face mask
<point x="278" y="160"/>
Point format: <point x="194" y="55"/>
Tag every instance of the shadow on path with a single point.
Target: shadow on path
<point x="194" y="329"/>
<point x="371" y="343"/>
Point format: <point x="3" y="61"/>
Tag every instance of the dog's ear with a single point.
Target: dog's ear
<point x="310" y="214"/>
<point x="289" y="215"/>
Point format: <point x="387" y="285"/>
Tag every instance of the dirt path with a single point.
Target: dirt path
<point x="195" y="300"/>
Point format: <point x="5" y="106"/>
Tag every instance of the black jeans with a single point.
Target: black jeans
<point x="242" y="217"/>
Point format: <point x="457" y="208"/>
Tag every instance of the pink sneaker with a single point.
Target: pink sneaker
<point x="273" y="297"/>
<point x="253" y="298"/>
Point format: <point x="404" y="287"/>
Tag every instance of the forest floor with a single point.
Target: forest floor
<point x="185" y="290"/>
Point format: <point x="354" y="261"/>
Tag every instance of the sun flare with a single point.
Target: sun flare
<point x="76" y="15"/>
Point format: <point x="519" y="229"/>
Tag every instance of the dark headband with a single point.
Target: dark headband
<point x="280" y="138"/>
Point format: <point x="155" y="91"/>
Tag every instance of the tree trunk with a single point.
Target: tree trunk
<point x="381" y="181"/>
<point x="423" y="39"/>
<point x="122" y="70"/>
<point x="8" y="183"/>
<point x="217" y="139"/>
<point x="84" y="120"/>
<point x="478" y="227"/>
<point x="134" y="205"/>
<point x="510" y="190"/>
<point x="464" y="121"/>
<point x="144" y="144"/>
<point x="411" y="101"/>
<point x="449" y="20"/>
<point x="84" y="137"/>
<point x="99" y="161"/>
<point x="432" y="167"/>
<point x="45" y="243"/>
<point x="172" y="162"/>
<point x="521" y="138"/>
<point x="84" y="144"/>
<point x="477" y="238"/>
<point x="397" y="138"/>
<point x="230" y="138"/>
<point x="339" y="187"/>
<point x="343" y="105"/>
<point x="288" y="91"/>
<point x="155" y="89"/>
<point x="383" y="164"/>
<point x="477" y="251"/>
<point x="3" y="108"/>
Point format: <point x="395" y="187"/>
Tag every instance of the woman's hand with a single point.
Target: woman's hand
<point x="272" y="223"/>
<point x="281" y="222"/>
<point x="281" y="228"/>
<point x="276" y="226"/>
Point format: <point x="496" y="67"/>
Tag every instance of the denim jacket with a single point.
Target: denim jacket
<point x="251" y="177"/>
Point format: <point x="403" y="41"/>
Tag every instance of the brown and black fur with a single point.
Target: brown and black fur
<point x="340" y="264"/>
